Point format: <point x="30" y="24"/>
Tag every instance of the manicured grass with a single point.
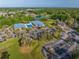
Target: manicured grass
<point x="13" y="49"/>
<point x="49" y="22"/>
<point x="8" y="43"/>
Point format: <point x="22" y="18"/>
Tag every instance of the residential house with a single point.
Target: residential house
<point x="74" y="36"/>
<point x="19" y="25"/>
<point x="1" y="39"/>
<point x="36" y="34"/>
<point x="29" y="25"/>
<point x="59" y="50"/>
<point x="2" y="36"/>
<point x="37" y="23"/>
<point x="64" y="35"/>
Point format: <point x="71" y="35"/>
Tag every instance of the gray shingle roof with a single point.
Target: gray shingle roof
<point x="58" y="50"/>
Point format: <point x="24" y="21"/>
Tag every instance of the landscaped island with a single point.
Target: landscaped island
<point x="39" y="33"/>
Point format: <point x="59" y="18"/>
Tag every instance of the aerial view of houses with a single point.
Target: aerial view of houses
<point x="43" y="33"/>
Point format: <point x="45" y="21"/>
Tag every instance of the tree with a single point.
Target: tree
<point x="20" y="42"/>
<point x="5" y="55"/>
<point x="43" y="19"/>
<point x="70" y="21"/>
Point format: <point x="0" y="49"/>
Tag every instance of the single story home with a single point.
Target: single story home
<point x="29" y="25"/>
<point x="2" y="39"/>
<point x="37" y="23"/>
<point x="74" y="36"/>
<point x="64" y="35"/>
<point x="20" y="25"/>
<point x="59" y="50"/>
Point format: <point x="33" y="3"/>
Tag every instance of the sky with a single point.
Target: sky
<point x="39" y="3"/>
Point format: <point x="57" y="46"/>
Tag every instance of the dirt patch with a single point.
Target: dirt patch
<point x="25" y="49"/>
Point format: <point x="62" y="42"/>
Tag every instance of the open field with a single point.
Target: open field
<point x="15" y="52"/>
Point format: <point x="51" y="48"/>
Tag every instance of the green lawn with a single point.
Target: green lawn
<point x="13" y="49"/>
<point x="49" y="22"/>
